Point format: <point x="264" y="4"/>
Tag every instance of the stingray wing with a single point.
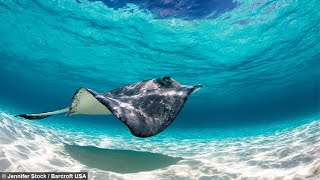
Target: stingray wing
<point x="146" y="113"/>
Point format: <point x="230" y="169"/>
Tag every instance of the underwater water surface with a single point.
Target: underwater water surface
<point x="257" y="115"/>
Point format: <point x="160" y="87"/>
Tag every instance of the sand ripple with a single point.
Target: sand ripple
<point x="25" y="146"/>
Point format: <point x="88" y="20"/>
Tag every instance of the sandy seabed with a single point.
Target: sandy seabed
<point x="32" y="147"/>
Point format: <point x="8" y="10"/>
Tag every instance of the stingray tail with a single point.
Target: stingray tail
<point x="42" y="115"/>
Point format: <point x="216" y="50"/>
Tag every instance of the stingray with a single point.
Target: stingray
<point x="146" y="108"/>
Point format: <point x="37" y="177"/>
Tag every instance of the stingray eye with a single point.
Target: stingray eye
<point x="166" y="79"/>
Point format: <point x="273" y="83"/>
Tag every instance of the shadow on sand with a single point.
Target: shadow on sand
<point x="120" y="161"/>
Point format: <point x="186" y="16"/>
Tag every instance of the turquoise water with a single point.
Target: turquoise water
<point x="258" y="61"/>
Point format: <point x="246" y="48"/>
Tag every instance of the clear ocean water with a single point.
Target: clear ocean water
<point x="257" y="116"/>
